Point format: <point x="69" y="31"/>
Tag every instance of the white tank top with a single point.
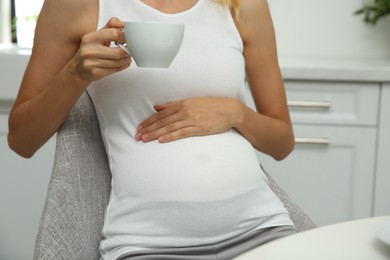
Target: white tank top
<point x="190" y="192"/>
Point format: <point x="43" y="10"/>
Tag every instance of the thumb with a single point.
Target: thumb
<point x="160" y="107"/>
<point x="114" y="22"/>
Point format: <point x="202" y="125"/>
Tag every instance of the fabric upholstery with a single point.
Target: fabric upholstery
<point x="79" y="190"/>
<point x="300" y="219"/>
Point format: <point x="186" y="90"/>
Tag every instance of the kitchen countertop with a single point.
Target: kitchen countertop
<point x="373" y="70"/>
<point x="13" y="61"/>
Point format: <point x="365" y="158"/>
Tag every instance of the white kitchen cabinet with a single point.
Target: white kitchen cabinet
<point x="382" y="187"/>
<point x="332" y="181"/>
<point x="23" y="186"/>
<point x="331" y="172"/>
<point x="333" y="103"/>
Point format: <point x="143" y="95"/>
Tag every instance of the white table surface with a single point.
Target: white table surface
<point x="352" y="240"/>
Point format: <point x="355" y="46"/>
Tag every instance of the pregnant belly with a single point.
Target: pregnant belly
<point x="149" y="223"/>
<point x="193" y="169"/>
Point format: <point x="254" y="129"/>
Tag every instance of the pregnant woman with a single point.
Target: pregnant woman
<point x="181" y="142"/>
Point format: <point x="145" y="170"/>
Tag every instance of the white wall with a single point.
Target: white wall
<point x="309" y="29"/>
<point x="327" y="29"/>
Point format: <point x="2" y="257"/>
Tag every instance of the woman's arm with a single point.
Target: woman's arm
<point x="268" y="129"/>
<point x="68" y="54"/>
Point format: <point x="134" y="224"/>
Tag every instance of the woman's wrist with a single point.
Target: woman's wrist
<point x="79" y="80"/>
<point x="238" y="114"/>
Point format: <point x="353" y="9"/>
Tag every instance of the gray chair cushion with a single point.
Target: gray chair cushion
<point x="300" y="219"/>
<point x="79" y="189"/>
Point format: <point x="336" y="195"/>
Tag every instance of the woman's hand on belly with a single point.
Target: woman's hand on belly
<point x="190" y="117"/>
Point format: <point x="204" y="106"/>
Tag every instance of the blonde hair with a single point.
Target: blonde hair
<point x="234" y="4"/>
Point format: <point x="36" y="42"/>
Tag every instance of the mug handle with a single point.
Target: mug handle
<point x="123" y="47"/>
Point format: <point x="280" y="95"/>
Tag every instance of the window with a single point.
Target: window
<point x="26" y="13"/>
<point x="20" y="15"/>
<point x="5" y="21"/>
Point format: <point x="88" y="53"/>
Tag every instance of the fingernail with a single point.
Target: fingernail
<point x="138" y="137"/>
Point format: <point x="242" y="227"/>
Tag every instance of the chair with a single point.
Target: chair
<point x="79" y="189"/>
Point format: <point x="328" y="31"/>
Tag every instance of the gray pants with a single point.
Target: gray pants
<point x="224" y="250"/>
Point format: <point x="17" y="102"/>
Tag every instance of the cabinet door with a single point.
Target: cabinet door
<point x="382" y="188"/>
<point x="330" y="172"/>
<point x="23" y="186"/>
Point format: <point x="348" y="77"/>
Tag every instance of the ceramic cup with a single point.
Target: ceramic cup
<point x="153" y="44"/>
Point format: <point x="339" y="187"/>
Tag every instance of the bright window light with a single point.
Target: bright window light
<point x="26" y="12"/>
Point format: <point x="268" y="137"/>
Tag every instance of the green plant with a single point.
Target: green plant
<point x="374" y="10"/>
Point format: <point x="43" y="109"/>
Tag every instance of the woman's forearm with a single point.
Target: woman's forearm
<point x="51" y="87"/>
<point x="34" y="121"/>
<point x="269" y="135"/>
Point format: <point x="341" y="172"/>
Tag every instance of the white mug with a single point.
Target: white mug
<point x="152" y="44"/>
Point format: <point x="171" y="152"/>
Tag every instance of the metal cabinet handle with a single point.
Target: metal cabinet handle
<point x="324" y="141"/>
<point x="310" y="104"/>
